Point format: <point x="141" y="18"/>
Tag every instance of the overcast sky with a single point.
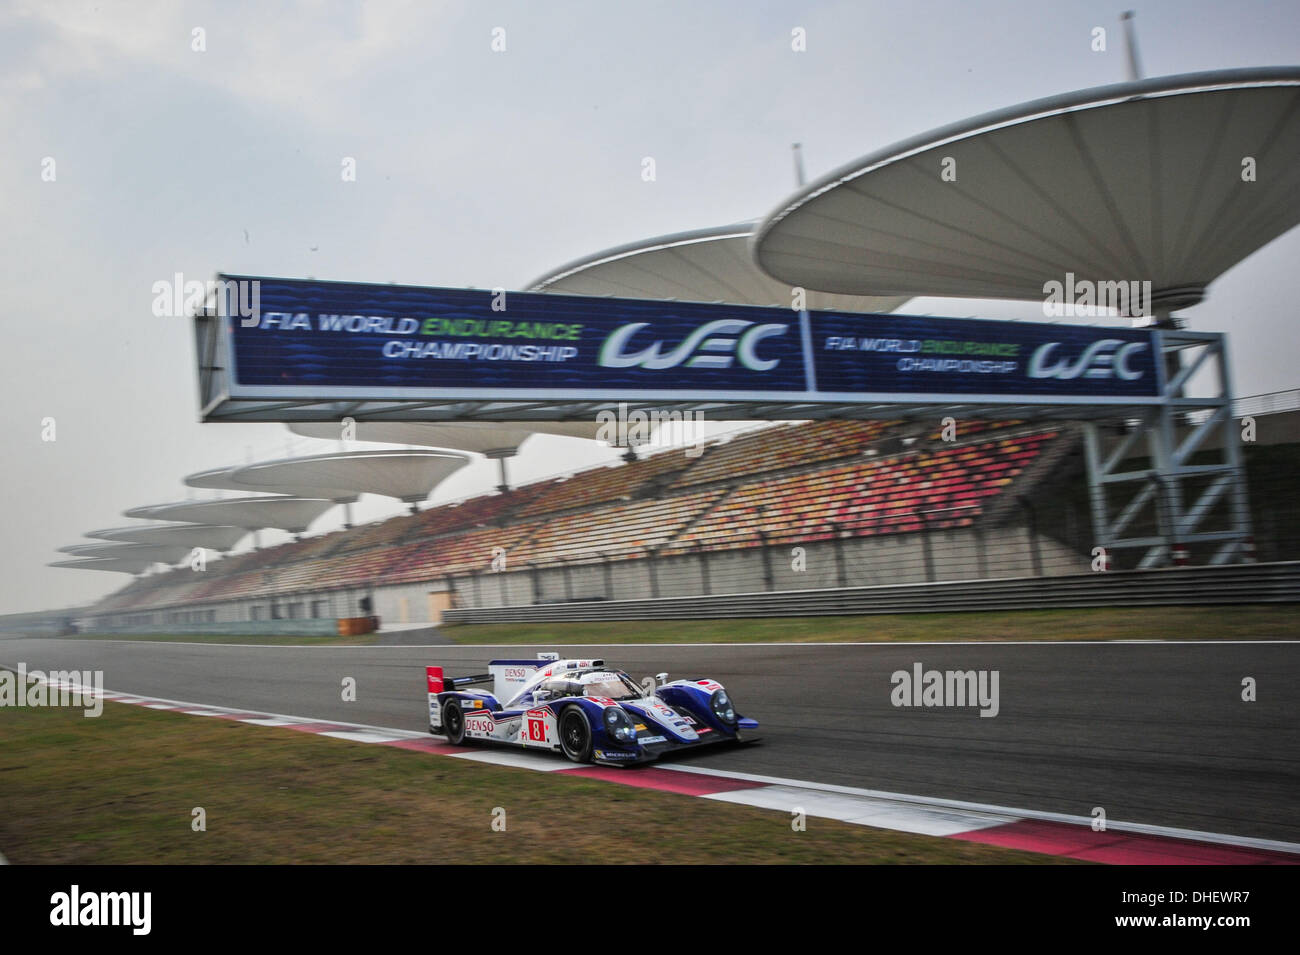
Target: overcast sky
<point x="474" y="168"/>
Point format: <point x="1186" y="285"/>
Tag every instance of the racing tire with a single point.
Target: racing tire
<point x="575" y="734"/>
<point x="453" y="723"/>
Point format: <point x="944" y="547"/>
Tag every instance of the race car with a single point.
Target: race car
<point x="584" y="709"/>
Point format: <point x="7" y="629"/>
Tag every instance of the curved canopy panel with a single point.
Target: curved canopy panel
<point x="292" y="514"/>
<point x="119" y="565"/>
<point x="493" y="438"/>
<point x="706" y="265"/>
<point x="406" y="475"/>
<point x="217" y="478"/>
<point x="211" y="536"/>
<point x="224" y="479"/>
<point x="1141" y="181"/>
<point x="163" y="553"/>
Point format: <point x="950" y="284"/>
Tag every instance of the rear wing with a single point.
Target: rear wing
<point x="506" y="677"/>
<point x="438" y="682"/>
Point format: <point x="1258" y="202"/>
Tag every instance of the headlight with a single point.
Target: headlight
<point x="619" y="725"/>
<point x="722" y="707"/>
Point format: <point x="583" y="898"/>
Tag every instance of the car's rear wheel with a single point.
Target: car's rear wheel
<point x="453" y="723"/>
<point x="575" y="734"/>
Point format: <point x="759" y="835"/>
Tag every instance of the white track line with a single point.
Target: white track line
<point x="880" y="813"/>
<point x="1140" y="828"/>
<point x="519" y="759"/>
<point x="211" y="709"/>
<point x="361" y="736"/>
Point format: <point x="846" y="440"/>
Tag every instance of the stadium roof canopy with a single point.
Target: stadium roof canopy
<point x="704" y="265"/>
<point x="1131" y="182"/>
<point x="164" y="553"/>
<point x="409" y="476"/>
<point x="121" y="565"/>
<point x="293" y="514"/>
<point x="492" y="438"/>
<point x="211" y="536"/>
<point x="224" y="479"/>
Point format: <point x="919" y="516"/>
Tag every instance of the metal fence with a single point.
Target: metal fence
<point x="820" y="560"/>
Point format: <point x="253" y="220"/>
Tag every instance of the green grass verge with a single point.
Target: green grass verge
<point x="1261" y="622"/>
<point x="122" y="788"/>
<point x="359" y="641"/>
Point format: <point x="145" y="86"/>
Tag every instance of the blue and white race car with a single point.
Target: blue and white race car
<point x="584" y="709"/>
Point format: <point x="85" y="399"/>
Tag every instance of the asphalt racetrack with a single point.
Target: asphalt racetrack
<point x="1154" y="733"/>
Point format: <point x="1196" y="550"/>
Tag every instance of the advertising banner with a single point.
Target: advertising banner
<point x="337" y="340"/>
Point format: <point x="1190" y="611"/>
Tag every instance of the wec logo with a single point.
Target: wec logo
<point x="1106" y="358"/>
<point x="712" y="345"/>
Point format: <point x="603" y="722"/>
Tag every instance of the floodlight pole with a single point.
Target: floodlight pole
<point x="1131" y="45"/>
<point x="797" y="149"/>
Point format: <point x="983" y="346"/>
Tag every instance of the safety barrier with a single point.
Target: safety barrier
<point x="1237" y="584"/>
<point x="321" y="627"/>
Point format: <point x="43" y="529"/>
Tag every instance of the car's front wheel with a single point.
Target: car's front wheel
<point x="453" y="723"/>
<point x="575" y="734"/>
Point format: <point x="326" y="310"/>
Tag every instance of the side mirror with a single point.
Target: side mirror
<point x="662" y="678"/>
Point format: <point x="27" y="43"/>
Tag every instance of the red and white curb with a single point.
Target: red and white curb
<point x="1044" y="832"/>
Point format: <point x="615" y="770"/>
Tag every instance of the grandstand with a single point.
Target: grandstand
<point x="669" y="523"/>
<point x="893" y="495"/>
<point x="864" y="502"/>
